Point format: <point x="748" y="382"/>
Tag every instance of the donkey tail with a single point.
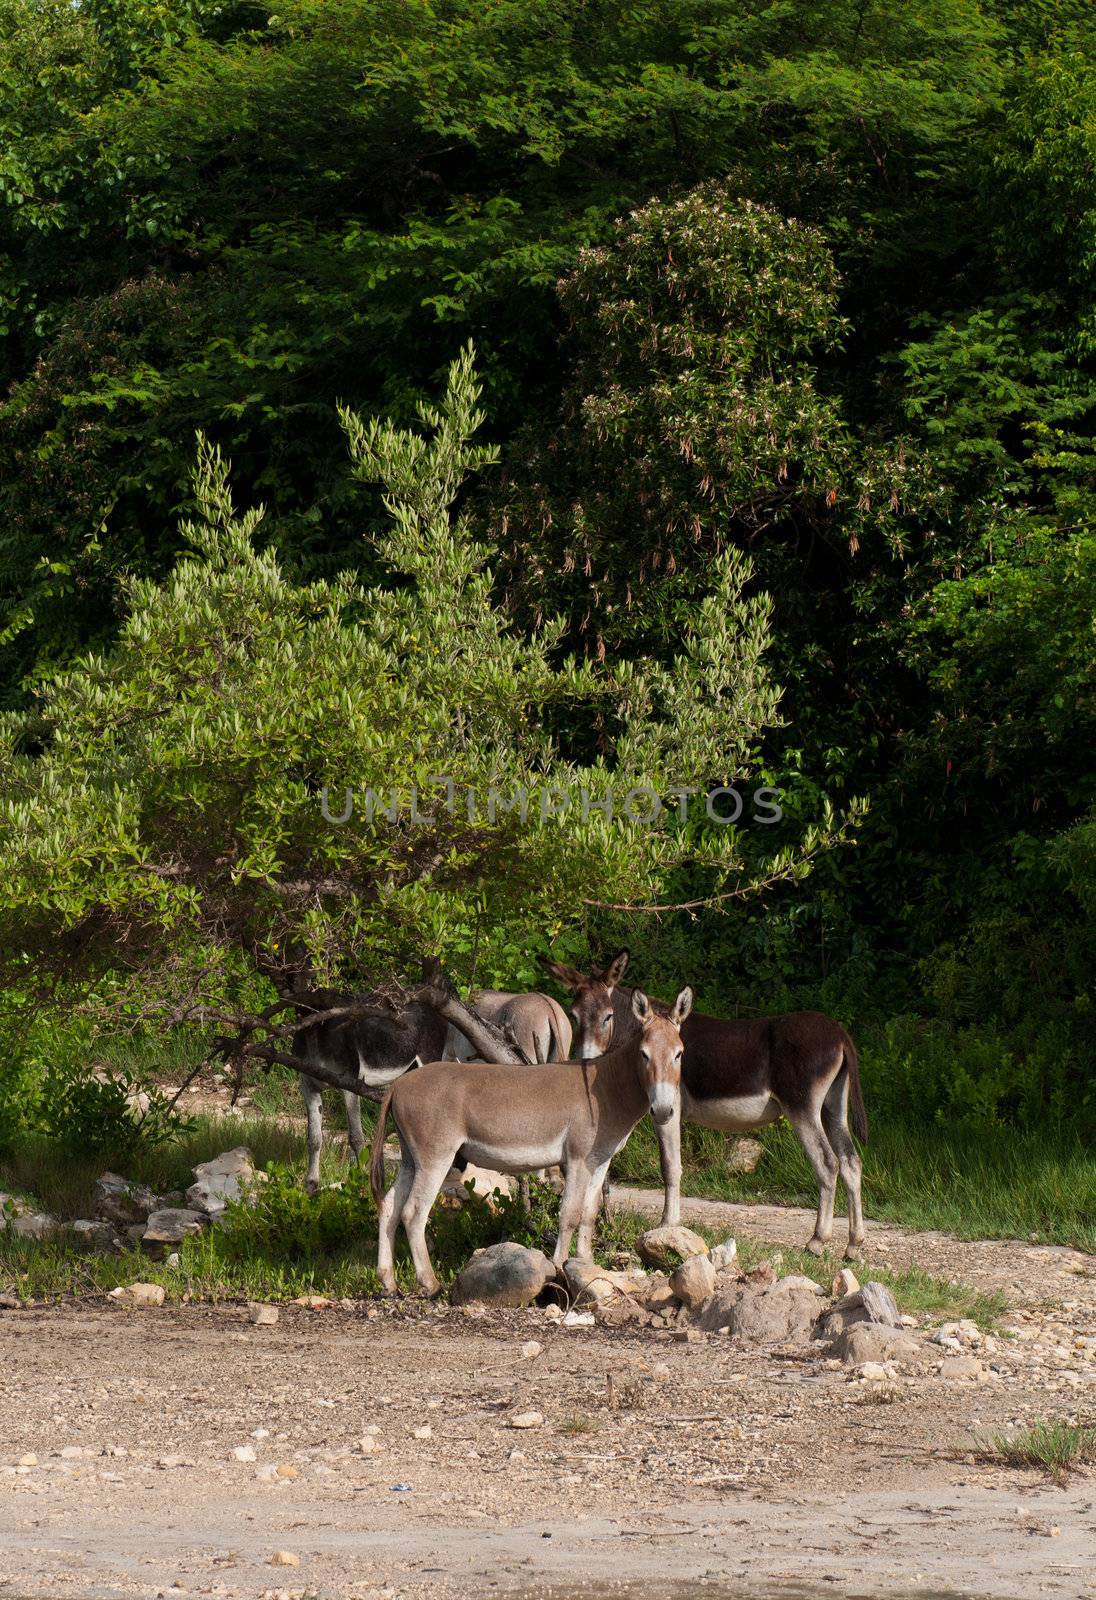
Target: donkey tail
<point x="376" y="1153"/>
<point x="856" y="1094"/>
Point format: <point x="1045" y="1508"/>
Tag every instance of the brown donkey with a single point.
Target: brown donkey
<point x="740" y="1075"/>
<point x="570" y="1114"/>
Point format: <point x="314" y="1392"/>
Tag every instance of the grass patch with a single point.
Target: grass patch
<point x="1000" y="1183"/>
<point x="1057" y="1447"/>
<point x="574" y="1426"/>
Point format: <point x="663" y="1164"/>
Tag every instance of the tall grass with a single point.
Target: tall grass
<point x="998" y="1183"/>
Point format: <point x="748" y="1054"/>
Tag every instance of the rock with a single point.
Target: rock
<point x="313" y="1302"/>
<point x="34" y="1225"/>
<point x="527" y="1419"/>
<point x="484" y="1182"/>
<point x="135" y="1233"/>
<point x="29" y="1460"/>
<point x="139" y="1294"/>
<point x="368" y="1445"/>
<point x="12" y="1206"/>
<point x="227" y="1177"/>
<point x="875" y="1371"/>
<point x="262" y="1316"/>
<point x="782" y="1312"/>
<point x="725" y="1255"/>
<point x="505" y="1274"/>
<point x="694" y="1281"/>
<point x="872" y="1303"/>
<point x="245" y="1452"/>
<point x="845" y="1283"/>
<point x="530" y="1349"/>
<point x="285" y="1470"/>
<point x="10" y="1302"/>
<point x="619" y="1312"/>
<point x="745" y="1155"/>
<point x="121" y="1202"/>
<point x="958" y="1369"/>
<point x="285" y="1558"/>
<point x="425" y="1432"/>
<point x="668" y="1247"/>
<point x="588" y="1282"/>
<point x="71" y="1452"/>
<point x="98" y="1238"/>
<point x="166" y="1229"/>
<point x="173" y="1259"/>
<point x="577" y="1319"/>
<point x="871" y="1341"/>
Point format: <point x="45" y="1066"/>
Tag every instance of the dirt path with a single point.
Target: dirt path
<point x="658" y="1461"/>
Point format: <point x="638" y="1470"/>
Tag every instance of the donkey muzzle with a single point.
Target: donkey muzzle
<point x="664" y="1102"/>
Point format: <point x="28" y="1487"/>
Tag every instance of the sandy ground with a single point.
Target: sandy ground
<point x="662" y="1467"/>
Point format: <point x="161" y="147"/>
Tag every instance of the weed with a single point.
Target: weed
<point x="1057" y="1447"/>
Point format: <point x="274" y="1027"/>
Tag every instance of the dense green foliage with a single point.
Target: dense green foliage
<point x="810" y="283"/>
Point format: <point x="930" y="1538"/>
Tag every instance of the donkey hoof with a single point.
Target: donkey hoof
<point x="854" y="1252"/>
<point x="816" y="1247"/>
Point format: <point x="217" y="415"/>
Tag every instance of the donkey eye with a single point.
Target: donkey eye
<point x="606" y="1020"/>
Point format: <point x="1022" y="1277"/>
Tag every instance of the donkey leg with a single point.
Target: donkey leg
<point x="389" y="1220"/>
<point x="575" y="1181"/>
<point x="669" y="1158"/>
<point x="595" y="1194"/>
<point x="835" y="1122"/>
<point x="424" y="1191"/>
<point x="313" y="1102"/>
<point x="812" y="1137"/>
<point x="353" y="1103"/>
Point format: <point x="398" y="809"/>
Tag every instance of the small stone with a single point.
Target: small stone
<point x="173" y="1260"/>
<point x="368" y="1445"/>
<point x="724" y="1255"/>
<point x="29" y="1460"/>
<point x="957" y="1369"/>
<point x="577" y="1319"/>
<point x="527" y="1419"/>
<point x="260" y="1433"/>
<point x="98" y="1237"/>
<point x="285" y="1558"/>
<point x="530" y="1349"/>
<point x="285" y="1470"/>
<point x="70" y="1452"/>
<point x="263" y="1316"/>
<point x="245" y="1452"/>
<point x="313" y="1302"/>
<point x="694" y="1281"/>
<point x="425" y="1432"/>
<point x="845" y="1283"/>
<point x="141" y="1294"/>
<point x="874" y="1371"/>
<point x="121" y="1202"/>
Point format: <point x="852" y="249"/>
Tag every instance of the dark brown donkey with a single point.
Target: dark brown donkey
<point x="740" y="1075"/>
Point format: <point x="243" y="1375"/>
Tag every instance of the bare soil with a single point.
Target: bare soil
<point x="661" y="1466"/>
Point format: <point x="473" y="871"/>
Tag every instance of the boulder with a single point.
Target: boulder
<point x="217" y="1182"/>
<point x="872" y="1341"/>
<point x="139" y="1294"/>
<point x="745" y="1155"/>
<point x="166" y="1229"/>
<point x="484" y="1182"/>
<point x="694" y="1281"/>
<point x="98" y="1238"/>
<point x="668" y="1247"/>
<point x="873" y="1303"/>
<point x="593" y="1284"/>
<point x="32" y="1225"/>
<point x="505" y="1274"/>
<point x="783" y="1312"/>
<point x="121" y="1202"/>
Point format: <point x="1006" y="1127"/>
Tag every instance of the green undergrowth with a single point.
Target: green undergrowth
<point x="1034" y="1184"/>
<point x="1057" y="1447"/>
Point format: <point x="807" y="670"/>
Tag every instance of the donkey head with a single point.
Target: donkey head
<point x="591" y="1004"/>
<point x="660" y="1051"/>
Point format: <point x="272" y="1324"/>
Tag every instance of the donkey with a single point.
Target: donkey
<point x="538" y="1025"/>
<point x="375" y="1050"/>
<point x="516" y="1119"/>
<point x="746" y="1074"/>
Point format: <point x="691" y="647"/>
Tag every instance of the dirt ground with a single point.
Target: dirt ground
<point x="380" y="1456"/>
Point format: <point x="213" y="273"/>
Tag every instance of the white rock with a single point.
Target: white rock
<point x="285" y="1558"/>
<point x="245" y="1452"/>
<point x="845" y="1283"/>
<point x="263" y="1316"/>
<point x="530" y="1349"/>
<point x="425" y="1432"/>
<point x="33" y="1225"/>
<point x="70" y="1452"/>
<point x="227" y="1177"/>
<point x="724" y="1256"/>
<point x="576" y="1319"/>
<point x="527" y="1419"/>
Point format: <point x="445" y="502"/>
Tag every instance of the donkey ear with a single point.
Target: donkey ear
<point x="641" y="1006"/>
<point x="616" y="969"/>
<point x="415" y="1061"/>
<point x="569" y="978"/>
<point x="682" y="1006"/>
